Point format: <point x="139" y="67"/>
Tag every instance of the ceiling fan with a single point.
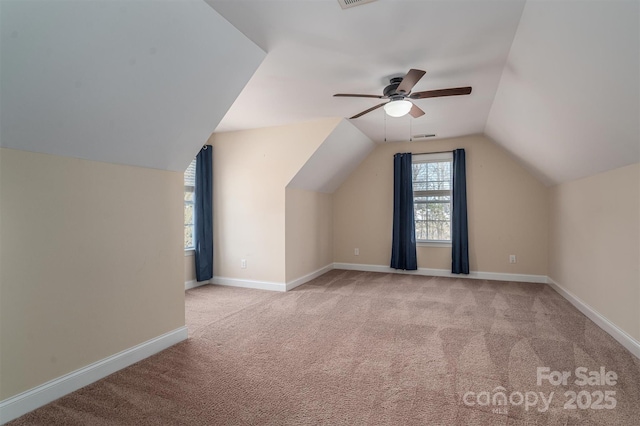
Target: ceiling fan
<point x="399" y="90"/>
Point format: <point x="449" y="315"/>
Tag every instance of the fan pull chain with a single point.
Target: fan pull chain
<point x="385" y="127"/>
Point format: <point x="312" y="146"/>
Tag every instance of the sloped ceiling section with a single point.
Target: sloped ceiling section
<point x="568" y="100"/>
<point x="141" y="83"/>
<point x="334" y="160"/>
<point x="317" y="49"/>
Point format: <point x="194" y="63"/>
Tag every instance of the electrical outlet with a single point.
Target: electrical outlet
<point x="243" y="263"/>
<point x="512" y="258"/>
<point x="356" y="251"/>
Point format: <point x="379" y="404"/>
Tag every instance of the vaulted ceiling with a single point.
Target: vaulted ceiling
<point x="567" y="103"/>
<point x="316" y="49"/>
<point x="554" y="82"/>
<point x="141" y="83"/>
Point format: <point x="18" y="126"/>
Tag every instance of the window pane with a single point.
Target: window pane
<point x="190" y="174"/>
<point x="438" y="230"/>
<point x="433" y="221"/>
<point x="188" y="236"/>
<point x="421" y="230"/>
<point x="439" y="175"/>
<point x="419" y="176"/>
<point x="439" y="211"/>
<point x="419" y="171"/>
<point x="432" y="210"/>
<point x="189" y="199"/>
<point x="188" y="214"/>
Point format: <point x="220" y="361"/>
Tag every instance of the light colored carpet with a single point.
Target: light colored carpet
<point x="359" y="348"/>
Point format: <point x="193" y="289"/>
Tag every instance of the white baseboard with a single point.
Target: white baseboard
<point x="315" y="274"/>
<point x="27" y="401"/>
<point x="498" y="276"/>
<point x="258" y="285"/>
<point x="188" y="285"/>
<point x="269" y="285"/>
<point x="274" y="286"/>
<point x="622" y="337"/>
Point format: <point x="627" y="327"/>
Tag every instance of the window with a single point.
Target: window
<point x="189" y="201"/>
<point x="432" y="184"/>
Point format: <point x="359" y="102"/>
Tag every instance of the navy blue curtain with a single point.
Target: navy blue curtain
<point x="403" y="249"/>
<point x="460" y="234"/>
<point x="203" y="218"/>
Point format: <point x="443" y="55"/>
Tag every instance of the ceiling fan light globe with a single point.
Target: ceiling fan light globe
<point x="398" y="108"/>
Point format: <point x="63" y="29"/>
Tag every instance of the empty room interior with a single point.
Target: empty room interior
<point x="320" y="212"/>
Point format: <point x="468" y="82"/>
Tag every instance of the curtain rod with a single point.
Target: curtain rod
<point x="436" y="152"/>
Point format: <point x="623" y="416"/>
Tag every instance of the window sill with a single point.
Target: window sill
<point x="189" y="252"/>
<point x="433" y="244"/>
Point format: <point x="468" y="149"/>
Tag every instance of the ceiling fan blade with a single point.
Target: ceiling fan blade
<point x="410" y="80"/>
<point x="366" y="111"/>
<point x="351" y="95"/>
<point x="416" y="112"/>
<point x="441" y="92"/>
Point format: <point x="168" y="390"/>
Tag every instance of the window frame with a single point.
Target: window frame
<point x="434" y="158"/>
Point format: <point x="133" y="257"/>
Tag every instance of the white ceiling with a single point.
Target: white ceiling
<point x="555" y="82"/>
<point x="567" y="104"/>
<point x="131" y="82"/>
<point x="564" y="77"/>
<point x="316" y="49"/>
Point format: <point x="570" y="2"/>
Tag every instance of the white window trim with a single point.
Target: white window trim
<point x="435" y="158"/>
<point x="434" y="243"/>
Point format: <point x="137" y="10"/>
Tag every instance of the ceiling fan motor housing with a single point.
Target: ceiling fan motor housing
<point x="391" y="89"/>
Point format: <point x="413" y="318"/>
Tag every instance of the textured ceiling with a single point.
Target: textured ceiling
<point x="554" y="82"/>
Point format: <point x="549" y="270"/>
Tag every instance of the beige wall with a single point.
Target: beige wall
<point x="507" y="210"/>
<point x="309" y="232"/>
<point x="91" y="263"/>
<point x="251" y="170"/>
<point x="189" y="267"/>
<point x="594" y="243"/>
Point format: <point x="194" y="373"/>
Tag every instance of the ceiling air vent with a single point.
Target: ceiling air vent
<point x="345" y="4"/>
<point x="431" y="135"/>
